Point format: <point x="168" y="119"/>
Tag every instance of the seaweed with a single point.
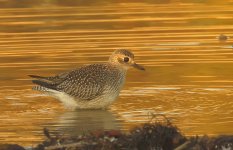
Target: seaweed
<point x="154" y="135"/>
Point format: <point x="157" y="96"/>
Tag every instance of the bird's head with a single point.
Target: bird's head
<point x="125" y="59"/>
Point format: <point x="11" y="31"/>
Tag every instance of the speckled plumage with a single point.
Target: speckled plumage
<point x="89" y="87"/>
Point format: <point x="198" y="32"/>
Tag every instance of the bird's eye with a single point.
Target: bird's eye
<point x="126" y="59"/>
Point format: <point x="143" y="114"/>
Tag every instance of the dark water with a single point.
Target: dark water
<point x="188" y="73"/>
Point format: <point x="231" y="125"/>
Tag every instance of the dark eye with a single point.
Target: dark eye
<point x="126" y="59"/>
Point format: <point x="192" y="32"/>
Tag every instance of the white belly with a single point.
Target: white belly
<point x="71" y="103"/>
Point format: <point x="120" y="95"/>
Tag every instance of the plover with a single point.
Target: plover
<point x="94" y="86"/>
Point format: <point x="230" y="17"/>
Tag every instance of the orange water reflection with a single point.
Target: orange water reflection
<point x="188" y="71"/>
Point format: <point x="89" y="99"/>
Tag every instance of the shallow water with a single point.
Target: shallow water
<point x="188" y="73"/>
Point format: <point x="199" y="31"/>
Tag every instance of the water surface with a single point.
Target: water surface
<point x="188" y="73"/>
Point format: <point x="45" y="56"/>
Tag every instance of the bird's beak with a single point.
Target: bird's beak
<point x="139" y="67"/>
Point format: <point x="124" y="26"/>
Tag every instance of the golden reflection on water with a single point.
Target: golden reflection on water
<point x="188" y="71"/>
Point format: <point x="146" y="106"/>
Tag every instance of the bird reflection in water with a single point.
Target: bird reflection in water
<point x="83" y="121"/>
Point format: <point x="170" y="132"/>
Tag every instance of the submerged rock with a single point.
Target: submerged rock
<point x="222" y="38"/>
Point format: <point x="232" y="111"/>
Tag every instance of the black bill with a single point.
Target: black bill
<point x="138" y="66"/>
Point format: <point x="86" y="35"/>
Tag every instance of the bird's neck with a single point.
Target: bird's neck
<point x="122" y="69"/>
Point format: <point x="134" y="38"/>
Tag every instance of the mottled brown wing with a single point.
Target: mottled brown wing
<point x="85" y="83"/>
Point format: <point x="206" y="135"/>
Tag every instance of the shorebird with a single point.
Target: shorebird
<point x="94" y="86"/>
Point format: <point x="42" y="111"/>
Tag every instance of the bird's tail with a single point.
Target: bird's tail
<point x="43" y="83"/>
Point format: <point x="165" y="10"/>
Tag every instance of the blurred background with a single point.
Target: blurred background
<point x="185" y="46"/>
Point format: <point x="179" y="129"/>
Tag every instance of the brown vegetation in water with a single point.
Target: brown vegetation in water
<point x="149" y="136"/>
